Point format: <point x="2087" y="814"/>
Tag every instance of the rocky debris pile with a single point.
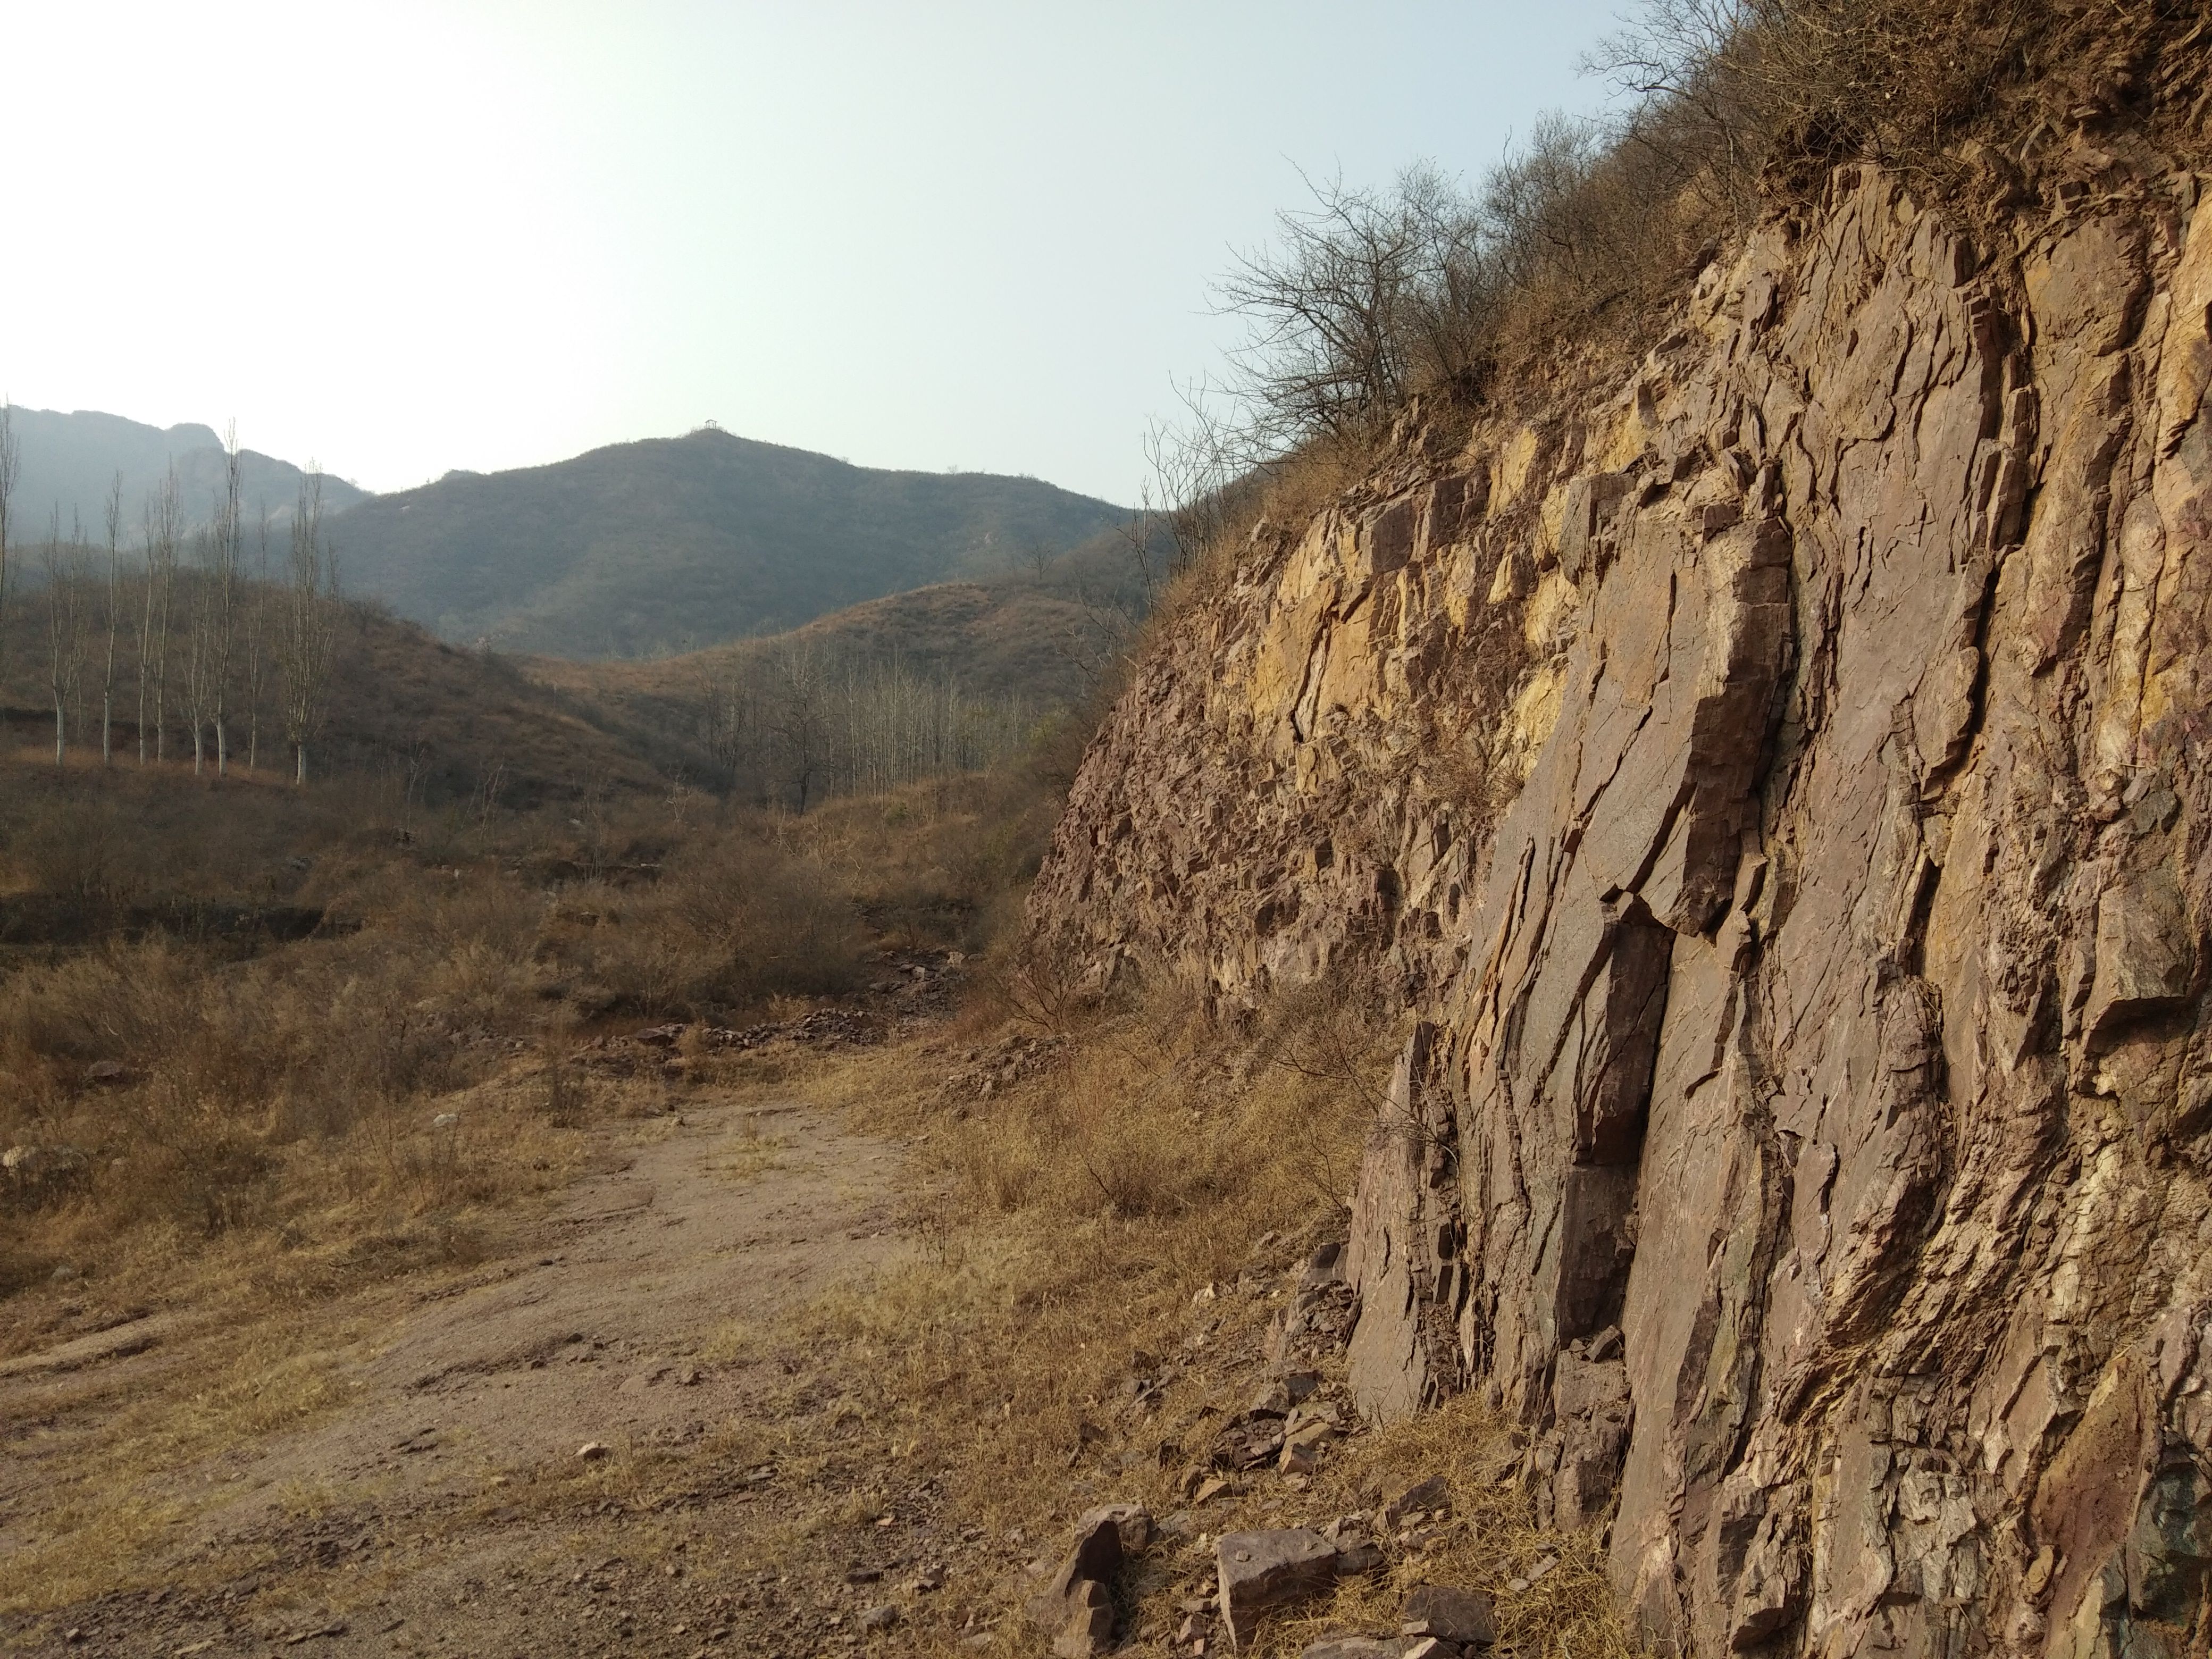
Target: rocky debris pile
<point x="1318" y="1322"/>
<point x="991" y="1070"/>
<point x="907" y="973"/>
<point x="1223" y="1591"/>
<point x="820" y="1028"/>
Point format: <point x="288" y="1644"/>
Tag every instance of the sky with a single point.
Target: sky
<point x="402" y="238"/>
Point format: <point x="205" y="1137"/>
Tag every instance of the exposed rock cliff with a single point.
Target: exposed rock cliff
<point x="1780" y="789"/>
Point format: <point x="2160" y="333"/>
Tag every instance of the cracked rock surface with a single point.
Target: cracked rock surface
<point x="1779" y="787"/>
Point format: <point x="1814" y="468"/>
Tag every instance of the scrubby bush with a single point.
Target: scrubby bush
<point x="1583" y="237"/>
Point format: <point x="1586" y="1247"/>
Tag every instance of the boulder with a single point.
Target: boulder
<point x="1077" y="1604"/>
<point x="1462" y="1617"/>
<point x="1273" y="1568"/>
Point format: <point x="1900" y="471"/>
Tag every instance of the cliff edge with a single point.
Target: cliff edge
<point x="1778" y="788"/>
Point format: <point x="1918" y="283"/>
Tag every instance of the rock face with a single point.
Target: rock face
<point x="1780" y="790"/>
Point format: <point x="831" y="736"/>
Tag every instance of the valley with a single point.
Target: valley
<point x="1557" y="1009"/>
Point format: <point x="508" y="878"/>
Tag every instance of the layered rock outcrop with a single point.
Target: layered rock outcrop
<point x="1780" y="791"/>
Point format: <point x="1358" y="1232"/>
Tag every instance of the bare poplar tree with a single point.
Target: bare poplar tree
<point x="307" y="623"/>
<point x="163" y="511"/>
<point x="107" y="681"/>
<point x="146" y="628"/>
<point x="732" y="725"/>
<point x="63" y="626"/>
<point x="256" y="606"/>
<point x="199" y="644"/>
<point x="228" y="533"/>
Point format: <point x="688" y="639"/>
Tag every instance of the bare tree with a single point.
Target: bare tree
<point x="64" y="625"/>
<point x="797" y="720"/>
<point x="224" y="545"/>
<point x="108" y="678"/>
<point x="307" y="623"/>
<point x="732" y="727"/>
<point x="198" y="687"/>
<point x="163" y="512"/>
<point x="256" y="606"/>
<point x="1365" y="296"/>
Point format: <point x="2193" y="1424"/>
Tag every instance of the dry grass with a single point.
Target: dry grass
<point x="269" y="1155"/>
<point x="1126" y="1207"/>
<point x="195" y="1084"/>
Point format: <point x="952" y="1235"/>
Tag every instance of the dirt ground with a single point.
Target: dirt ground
<point x="752" y="1382"/>
<point x="447" y="1505"/>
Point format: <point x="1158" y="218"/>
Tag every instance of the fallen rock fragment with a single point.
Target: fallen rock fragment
<point x="1427" y="1495"/>
<point x="1355" y="1555"/>
<point x="1273" y="1568"/>
<point x="1250" y="1441"/>
<point x="1302" y="1446"/>
<point x="592" y="1451"/>
<point x="1089" y="1627"/>
<point x="1078" y="1604"/>
<point x="1462" y="1617"/>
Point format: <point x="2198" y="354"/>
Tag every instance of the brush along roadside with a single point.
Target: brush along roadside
<point x="235" y="1033"/>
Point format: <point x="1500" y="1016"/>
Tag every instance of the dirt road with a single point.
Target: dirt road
<point x="447" y="1504"/>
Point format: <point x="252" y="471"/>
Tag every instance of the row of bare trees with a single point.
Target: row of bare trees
<point x="212" y="642"/>
<point x="795" y="724"/>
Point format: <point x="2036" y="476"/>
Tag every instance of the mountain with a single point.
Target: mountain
<point x="642" y="549"/>
<point x="69" y="461"/>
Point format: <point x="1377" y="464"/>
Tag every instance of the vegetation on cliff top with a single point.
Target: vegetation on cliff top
<point x="1570" y="255"/>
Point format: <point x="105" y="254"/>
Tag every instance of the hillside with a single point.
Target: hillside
<point x="1765" y="773"/>
<point x="421" y="714"/>
<point x="69" y="461"/>
<point x="646" y="548"/>
<point x="1045" y="635"/>
<point x="406" y="713"/>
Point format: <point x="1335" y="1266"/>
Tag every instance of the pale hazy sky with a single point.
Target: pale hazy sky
<point x="406" y="237"/>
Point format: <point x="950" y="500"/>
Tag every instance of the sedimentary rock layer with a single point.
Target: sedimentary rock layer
<point x="1779" y="791"/>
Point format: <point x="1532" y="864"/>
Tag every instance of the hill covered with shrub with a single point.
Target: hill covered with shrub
<point x="672" y="543"/>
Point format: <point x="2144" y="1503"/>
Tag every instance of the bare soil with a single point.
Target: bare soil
<point x="445" y="1504"/>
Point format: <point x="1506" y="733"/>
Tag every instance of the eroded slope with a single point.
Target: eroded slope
<point x="1779" y="790"/>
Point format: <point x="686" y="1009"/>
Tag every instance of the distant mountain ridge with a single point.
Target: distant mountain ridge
<point x="670" y="544"/>
<point x="70" y="461"/>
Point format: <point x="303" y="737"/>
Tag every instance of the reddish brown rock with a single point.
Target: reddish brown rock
<point x="1781" y="787"/>
<point x="1259" y="1571"/>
